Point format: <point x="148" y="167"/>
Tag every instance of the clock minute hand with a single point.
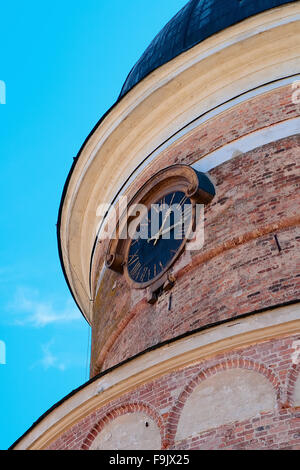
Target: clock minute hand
<point x="171" y="227"/>
<point x="158" y="234"/>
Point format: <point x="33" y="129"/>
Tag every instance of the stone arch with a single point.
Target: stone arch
<point x="115" y="335"/>
<point x="125" y="409"/>
<point x="293" y="386"/>
<point x="243" y="364"/>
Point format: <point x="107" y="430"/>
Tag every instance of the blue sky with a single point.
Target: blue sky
<point x="63" y="64"/>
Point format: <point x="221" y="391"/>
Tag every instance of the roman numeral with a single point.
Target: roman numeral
<point x="144" y="274"/>
<point x="132" y="259"/>
<point x="135" y="271"/>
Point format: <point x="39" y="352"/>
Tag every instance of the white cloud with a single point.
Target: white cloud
<point x="30" y="310"/>
<point x="49" y="360"/>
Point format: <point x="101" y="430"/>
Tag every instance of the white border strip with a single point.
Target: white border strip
<point x="247" y="143"/>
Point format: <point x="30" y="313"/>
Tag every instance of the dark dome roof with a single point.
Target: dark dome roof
<point x="196" y="21"/>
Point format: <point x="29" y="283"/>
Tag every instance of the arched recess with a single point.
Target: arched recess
<point x="137" y="425"/>
<point x="222" y="388"/>
<point x="293" y="385"/>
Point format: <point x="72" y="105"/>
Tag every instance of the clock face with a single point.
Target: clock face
<point x="159" y="237"/>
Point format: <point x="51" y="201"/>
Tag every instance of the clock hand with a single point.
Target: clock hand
<point x="158" y="234"/>
<point x="156" y="238"/>
<point x="171" y="227"/>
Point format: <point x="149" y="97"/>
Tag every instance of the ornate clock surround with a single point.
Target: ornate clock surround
<point x="196" y="186"/>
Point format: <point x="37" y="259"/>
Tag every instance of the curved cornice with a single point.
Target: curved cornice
<point x="238" y="59"/>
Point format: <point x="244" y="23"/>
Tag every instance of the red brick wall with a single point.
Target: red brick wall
<point x="245" y="277"/>
<point x="280" y="430"/>
<point x="164" y="398"/>
<point x="240" y="269"/>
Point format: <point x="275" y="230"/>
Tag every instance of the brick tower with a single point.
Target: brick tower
<point x="200" y="350"/>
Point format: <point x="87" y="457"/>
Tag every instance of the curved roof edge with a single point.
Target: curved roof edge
<point x="195" y="22"/>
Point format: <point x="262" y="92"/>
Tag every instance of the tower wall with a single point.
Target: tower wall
<point x="249" y="259"/>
